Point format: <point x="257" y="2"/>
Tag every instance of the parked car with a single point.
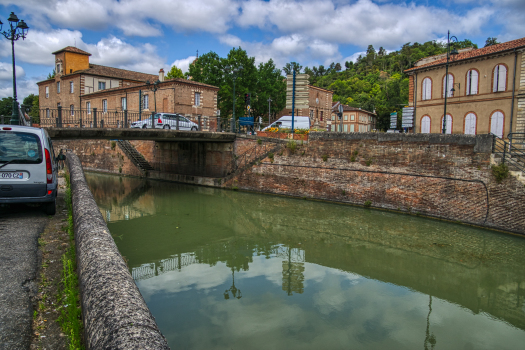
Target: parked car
<point x="285" y="122"/>
<point x="166" y="121"/>
<point x="28" y="167"/>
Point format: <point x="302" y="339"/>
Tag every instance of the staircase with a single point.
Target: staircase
<point x="512" y="154"/>
<point x="135" y="157"/>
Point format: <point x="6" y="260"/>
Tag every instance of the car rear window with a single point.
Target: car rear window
<point x="20" y="147"/>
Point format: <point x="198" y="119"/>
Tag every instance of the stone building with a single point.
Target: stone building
<point x="79" y="87"/>
<point x="353" y="119"/>
<point x="485" y="92"/>
<point x="320" y="107"/>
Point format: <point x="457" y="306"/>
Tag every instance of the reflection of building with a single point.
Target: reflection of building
<point x="482" y="95"/>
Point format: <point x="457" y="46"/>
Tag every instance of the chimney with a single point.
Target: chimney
<point x="161" y="74"/>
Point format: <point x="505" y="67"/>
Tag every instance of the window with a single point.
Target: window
<point x="470" y="124"/>
<point x="47" y="112"/>
<point x="333" y="117"/>
<point x="71" y="87"/>
<point x="88" y="107"/>
<point x="352" y="126"/>
<point x="72" y="109"/>
<point x="47" y="91"/>
<point x="333" y="127"/>
<point x="197" y="99"/>
<point x="124" y="103"/>
<point x="500" y="78"/>
<point x="450" y="85"/>
<point x="496" y="124"/>
<point x="101" y="85"/>
<point x="425" y="125"/>
<point x="59" y="68"/>
<point x="58" y="87"/>
<point x="104" y="106"/>
<point x="448" y="126"/>
<point x="346" y="116"/>
<point x="345" y="128"/>
<point x="321" y="115"/>
<point x="472" y="82"/>
<point x="352" y="117"/>
<point x="426" y="89"/>
<point x="145" y="102"/>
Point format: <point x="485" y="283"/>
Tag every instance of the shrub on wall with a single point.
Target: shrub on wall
<point x="500" y="172"/>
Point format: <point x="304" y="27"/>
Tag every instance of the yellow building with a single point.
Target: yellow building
<point x="486" y="91"/>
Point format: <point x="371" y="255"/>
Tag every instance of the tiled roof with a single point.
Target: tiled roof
<point x="165" y="82"/>
<point x="346" y="108"/>
<point x="72" y="49"/>
<point x="95" y="69"/>
<point x="509" y="45"/>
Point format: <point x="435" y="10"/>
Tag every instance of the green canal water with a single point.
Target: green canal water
<point x="231" y="270"/>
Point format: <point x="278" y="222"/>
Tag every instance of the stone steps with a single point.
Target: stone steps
<point x="135" y="156"/>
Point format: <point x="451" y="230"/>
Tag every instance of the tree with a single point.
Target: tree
<point x="51" y="75"/>
<point x="338" y="67"/>
<point x="6" y="106"/>
<point x="175" y="72"/>
<point x="270" y="84"/>
<point x="491" y="41"/>
<point x="290" y="67"/>
<point x="31" y="103"/>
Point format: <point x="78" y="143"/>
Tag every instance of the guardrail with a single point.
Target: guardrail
<point x="509" y="152"/>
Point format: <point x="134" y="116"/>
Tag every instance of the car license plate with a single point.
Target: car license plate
<point x="11" y="175"/>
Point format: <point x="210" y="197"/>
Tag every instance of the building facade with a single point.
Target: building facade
<point x="485" y="91"/>
<point x="319" y="109"/>
<point x="80" y="87"/>
<point x="352" y="120"/>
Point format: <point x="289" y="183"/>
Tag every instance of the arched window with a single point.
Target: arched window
<point x="470" y="124"/>
<point x="425" y="124"/>
<point x="426" y="89"/>
<point x="472" y="82"/>
<point x="450" y="85"/>
<point x="448" y="126"/>
<point x="499" y="82"/>
<point x="496" y="123"/>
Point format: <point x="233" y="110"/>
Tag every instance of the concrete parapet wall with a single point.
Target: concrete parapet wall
<point x="115" y="315"/>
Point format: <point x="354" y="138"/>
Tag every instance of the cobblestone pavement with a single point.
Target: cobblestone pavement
<point x="20" y="227"/>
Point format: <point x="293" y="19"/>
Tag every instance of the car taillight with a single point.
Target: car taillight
<point x="49" y="169"/>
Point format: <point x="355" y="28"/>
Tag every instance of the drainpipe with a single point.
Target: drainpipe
<point x="513" y="93"/>
<point x="415" y="102"/>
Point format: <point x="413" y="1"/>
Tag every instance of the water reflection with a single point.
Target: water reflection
<point x="359" y="278"/>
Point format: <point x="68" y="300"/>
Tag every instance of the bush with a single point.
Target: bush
<point x="113" y="145"/>
<point x="259" y="141"/>
<point x="500" y="172"/>
<point x="325" y="157"/>
<point x="368" y="204"/>
<point x="270" y="155"/>
<point x="368" y="162"/>
<point x="352" y="159"/>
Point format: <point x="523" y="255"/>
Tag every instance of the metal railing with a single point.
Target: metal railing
<point x="510" y="153"/>
<point x="253" y="154"/>
<point x="517" y="139"/>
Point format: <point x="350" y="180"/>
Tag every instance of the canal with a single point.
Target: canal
<point x="230" y="270"/>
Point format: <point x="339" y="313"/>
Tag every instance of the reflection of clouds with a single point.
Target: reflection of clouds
<point x="197" y="276"/>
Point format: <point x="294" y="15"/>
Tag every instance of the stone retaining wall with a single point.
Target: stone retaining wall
<point x="114" y="313"/>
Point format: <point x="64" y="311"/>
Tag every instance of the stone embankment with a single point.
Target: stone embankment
<point x="115" y="315"/>
<point x="442" y="176"/>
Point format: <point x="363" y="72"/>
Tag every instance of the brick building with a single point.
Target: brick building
<point x="79" y="87"/>
<point x="486" y="91"/>
<point x="320" y="107"/>
<point x="353" y="119"/>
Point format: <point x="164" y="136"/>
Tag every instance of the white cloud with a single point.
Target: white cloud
<point x="6" y="71"/>
<point x="184" y="63"/>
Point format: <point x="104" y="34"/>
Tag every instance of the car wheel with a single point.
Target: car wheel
<point x="166" y="127"/>
<point x="51" y="207"/>
<point x="193" y="128"/>
<point x="144" y="126"/>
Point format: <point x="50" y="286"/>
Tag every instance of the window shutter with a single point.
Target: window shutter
<point x="495" y="79"/>
<point x="496" y="124"/>
<point x="427" y="89"/>
<point x="474" y="82"/>
<point x="502" y="80"/>
<point x="469" y="77"/>
<point x="450" y="85"/>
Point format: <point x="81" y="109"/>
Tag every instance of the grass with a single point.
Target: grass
<point x="325" y="157"/>
<point x="500" y="172"/>
<point x="368" y="204"/>
<point x="270" y="155"/>
<point x="70" y="320"/>
<point x="292" y="146"/>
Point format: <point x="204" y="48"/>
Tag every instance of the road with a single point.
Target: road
<point x="20" y="227"/>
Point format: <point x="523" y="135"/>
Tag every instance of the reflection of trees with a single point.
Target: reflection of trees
<point x="430" y="338"/>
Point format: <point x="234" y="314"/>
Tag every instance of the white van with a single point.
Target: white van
<point x="28" y="167"/>
<point x="285" y="122"/>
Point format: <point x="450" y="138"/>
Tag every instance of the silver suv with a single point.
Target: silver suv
<point x="167" y="121"/>
<point x="28" y="168"/>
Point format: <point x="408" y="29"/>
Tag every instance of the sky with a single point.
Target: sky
<point x="146" y="35"/>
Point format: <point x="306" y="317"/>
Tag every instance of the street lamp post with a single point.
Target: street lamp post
<point x="269" y="104"/>
<point x="234" y="72"/>
<point x="449" y="52"/>
<point x="15" y="31"/>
